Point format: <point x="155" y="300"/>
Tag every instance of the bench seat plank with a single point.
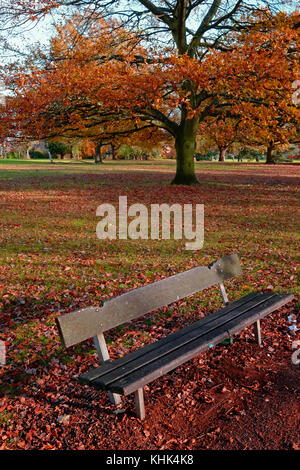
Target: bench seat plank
<point x="122" y="361"/>
<point x="192" y="333"/>
<point x="137" y="369"/>
<point x="168" y="362"/>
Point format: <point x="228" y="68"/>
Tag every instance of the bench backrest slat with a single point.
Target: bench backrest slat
<point x="85" y="323"/>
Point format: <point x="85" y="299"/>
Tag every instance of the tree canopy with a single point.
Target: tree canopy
<point x="105" y="76"/>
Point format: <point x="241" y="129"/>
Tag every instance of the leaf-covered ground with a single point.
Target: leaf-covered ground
<point x="231" y="397"/>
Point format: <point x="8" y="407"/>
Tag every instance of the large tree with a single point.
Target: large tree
<point x="207" y="58"/>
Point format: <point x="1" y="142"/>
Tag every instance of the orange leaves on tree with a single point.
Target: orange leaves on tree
<point x="101" y="82"/>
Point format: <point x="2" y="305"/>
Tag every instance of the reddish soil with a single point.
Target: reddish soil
<point x="237" y="396"/>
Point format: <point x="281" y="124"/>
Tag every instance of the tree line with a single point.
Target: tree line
<point x="162" y="71"/>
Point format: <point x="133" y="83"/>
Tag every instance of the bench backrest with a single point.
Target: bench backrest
<point x="85" y="323"/>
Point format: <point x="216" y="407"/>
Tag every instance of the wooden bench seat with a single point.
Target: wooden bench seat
<point x="130" y="373"/>
<point x="136" y="369"/>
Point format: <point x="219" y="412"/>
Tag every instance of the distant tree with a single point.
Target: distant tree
<point x="57" y="148"/>
<point x="220" y="133"/>
<point x="136" y="152"/>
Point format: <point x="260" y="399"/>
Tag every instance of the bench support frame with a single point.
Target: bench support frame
<point x="103" y="355"/>
<point x="139" y="403"/>
<point x="257" y="332"/>
<point x="224" y="294"/>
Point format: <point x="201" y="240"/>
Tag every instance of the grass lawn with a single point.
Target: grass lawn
<point x="52" y="262"/>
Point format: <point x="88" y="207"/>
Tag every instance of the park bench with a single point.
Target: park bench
<point x="130" y="373"/>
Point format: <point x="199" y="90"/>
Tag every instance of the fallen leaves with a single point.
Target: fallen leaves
<point x="41" y="404"/>
<point x="63" y="419"/>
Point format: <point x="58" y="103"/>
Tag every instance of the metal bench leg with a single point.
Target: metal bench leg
<point x="103" y="354"/>
<point x="224" y="294"/>
<point x="257" y="332"/>
<point x="114" y="398"/>
<point x="139" y="403"/>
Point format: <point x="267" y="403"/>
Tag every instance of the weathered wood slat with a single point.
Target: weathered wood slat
<point x="257" y="332"/>
<point x="103" y="355"/>
<point x="168" y="362"/>
<point x="259" y="312"/>
<point x="165" y="364"/>
<point x="112" y="365"/>
<point x="82" y="324"/>
<point x="180" y="341"/>
<point x="139" y="403"/>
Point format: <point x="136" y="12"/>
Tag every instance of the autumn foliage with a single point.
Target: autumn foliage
<point x="101" y="83"/>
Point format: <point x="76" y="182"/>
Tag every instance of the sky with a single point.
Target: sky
<point x="41" y="33"/>
<point x="30" y="35"/>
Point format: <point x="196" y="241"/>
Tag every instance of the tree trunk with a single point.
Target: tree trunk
<point x="98" y="156"/>
<point x="185" y="145"/>
<point x="270" y="155"/>
<point x="113" y="151"/>
<point x="50" y="156"/>
<point x="222" y="153"/>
